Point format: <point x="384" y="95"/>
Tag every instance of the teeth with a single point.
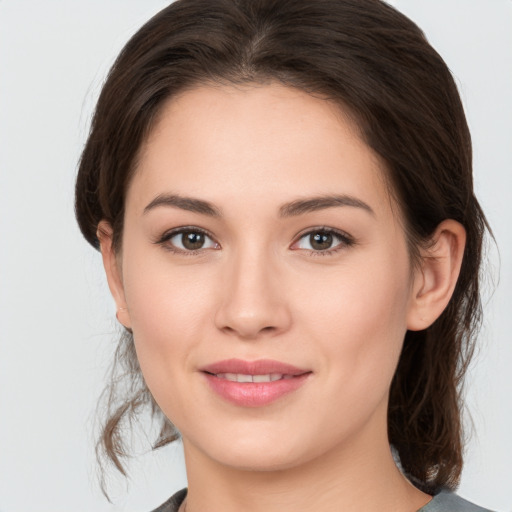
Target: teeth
<point x="261" y="378"/>
<point x="241" y="377"/>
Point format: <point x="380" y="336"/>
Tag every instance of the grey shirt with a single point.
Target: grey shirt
<point x="445" y="501"/>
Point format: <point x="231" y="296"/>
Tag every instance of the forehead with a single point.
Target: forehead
<point x="257" y="141"/>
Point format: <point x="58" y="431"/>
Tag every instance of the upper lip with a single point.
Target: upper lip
<point x="258" y="367"/>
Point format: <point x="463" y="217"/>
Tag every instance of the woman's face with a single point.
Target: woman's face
<point x="260" y="233"/>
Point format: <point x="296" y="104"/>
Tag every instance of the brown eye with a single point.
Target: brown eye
<point x="320" y="241"/>
<point x="188" y="240"/>
<point x="192" y="241"/>
<point x="324" y="241"/>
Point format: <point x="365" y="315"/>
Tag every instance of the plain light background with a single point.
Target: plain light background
<point x="57" y="323"/>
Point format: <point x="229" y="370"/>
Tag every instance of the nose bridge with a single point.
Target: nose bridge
<point x="253" y="300"/>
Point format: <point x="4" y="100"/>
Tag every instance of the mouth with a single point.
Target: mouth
<point x="241" y="377"/>
<point x="261" y="367"/>
<point x="253" y="383"/>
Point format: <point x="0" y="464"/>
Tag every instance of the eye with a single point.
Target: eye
<point x="187" y="240"/>
<point x="323" y="241"/>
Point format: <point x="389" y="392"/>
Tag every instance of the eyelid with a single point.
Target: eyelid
<point x="168" y="235"/>
<point x="346" y="240"/>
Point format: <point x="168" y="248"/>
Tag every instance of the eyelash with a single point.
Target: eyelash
<point x="344" y="239"/>
<point x="178" y="231"/>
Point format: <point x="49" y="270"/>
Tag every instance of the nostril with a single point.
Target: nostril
<point x="250" y="320"/>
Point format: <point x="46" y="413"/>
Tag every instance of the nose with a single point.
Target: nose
<point x="253" y="301"/>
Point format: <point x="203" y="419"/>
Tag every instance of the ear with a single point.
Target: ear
<point x="435" y="280"/>
<point x="113" y="272"/>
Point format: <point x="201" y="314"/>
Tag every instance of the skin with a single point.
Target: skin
<point x="258" y="289"/>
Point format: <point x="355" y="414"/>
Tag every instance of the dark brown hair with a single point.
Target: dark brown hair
<point x="375" y="63"/>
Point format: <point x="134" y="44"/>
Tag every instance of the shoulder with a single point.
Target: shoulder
<point x="173" y="503"/>
<point x="447" y="501"/>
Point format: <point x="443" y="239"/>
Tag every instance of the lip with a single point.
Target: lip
<point x="258" y="367"/>
<point x="254" y="394"/>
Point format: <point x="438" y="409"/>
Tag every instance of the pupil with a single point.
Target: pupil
<point x="321" y="241"/>
<point x="192" y="240"/>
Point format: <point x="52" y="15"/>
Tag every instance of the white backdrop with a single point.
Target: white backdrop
<point x="56" y="318"/>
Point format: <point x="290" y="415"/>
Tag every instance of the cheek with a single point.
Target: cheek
<point x="358" y="317"/>
<point x="168" y="322"/>
<point x="168" y="307"/>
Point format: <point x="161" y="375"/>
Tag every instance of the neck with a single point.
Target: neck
<point x="362" y="476"/>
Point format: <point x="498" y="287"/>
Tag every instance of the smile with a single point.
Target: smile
<point x="241" y="377"/>
<point x="253" y="383"/>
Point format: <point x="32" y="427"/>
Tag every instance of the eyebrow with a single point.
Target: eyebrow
<point x="190" y="204"/>
<point x="312" y="204"/>
<point x="291" y="209"/>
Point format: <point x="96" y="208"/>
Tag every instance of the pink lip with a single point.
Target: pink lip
<point x="254" y="394"/>
<point x="259" y="367"/>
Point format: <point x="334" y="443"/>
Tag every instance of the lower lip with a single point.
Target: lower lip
<point x="254" y="394"/>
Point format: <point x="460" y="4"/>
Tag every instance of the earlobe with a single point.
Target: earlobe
<point x="113" y="272"/>
<point x="435" y="281"/>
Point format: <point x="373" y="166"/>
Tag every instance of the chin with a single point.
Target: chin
<point x="252" y="453"/>
<point x="258" y="461"/>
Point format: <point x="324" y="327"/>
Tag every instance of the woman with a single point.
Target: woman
<point x="282" y="195"/>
